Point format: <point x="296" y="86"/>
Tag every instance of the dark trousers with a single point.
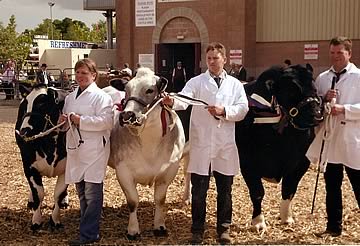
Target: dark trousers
<point x="333" y="180"/>
<point x="91" y="201"/>
<point x="200" y="185"/>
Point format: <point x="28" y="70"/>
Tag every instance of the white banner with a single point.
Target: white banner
<point x="236" y="56"/>
<point x="311" y="51"/>
<point x="147" y="60"/>
<point x="145" y="14"/>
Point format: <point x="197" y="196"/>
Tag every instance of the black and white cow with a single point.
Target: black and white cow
<point x="147" y="142"/>
<point x="42" y="155"/>
<point x="275" y="135"/>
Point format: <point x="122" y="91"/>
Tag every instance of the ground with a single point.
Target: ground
<point x="15" y="218"/>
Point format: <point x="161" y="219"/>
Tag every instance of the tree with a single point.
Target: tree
<point x="13" y="45"/>
<point x="98" y="32"/>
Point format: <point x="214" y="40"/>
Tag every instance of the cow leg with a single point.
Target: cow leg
<point x="161" y="185"/>
<point x="129" y="188"/>
<point x="289" y="187"/>
<point x="37" y="190"/>
<point x="257" y="193"/>
<point x="60" y="195"/>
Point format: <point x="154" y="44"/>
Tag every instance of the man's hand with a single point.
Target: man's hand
<point x="338" y="109"/>
<point x="330" y="94"/>
<point x="216" y="110"/>
<point x="167" y="100"/>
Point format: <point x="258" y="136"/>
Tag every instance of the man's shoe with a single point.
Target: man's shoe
<point x="327" y="233"/>
<point x="77" y="242"/>
<point x="197" y="238"/>
<point x="224" y="238"/>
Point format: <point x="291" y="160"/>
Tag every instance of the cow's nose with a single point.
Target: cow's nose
<point x="127" y="117"/>
<point x="23" y="131"/>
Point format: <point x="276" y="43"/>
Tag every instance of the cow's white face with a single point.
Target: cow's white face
<point x="39" y="111"/>
<point x="141" y="93"/>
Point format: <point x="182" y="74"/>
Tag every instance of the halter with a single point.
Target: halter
<point x="292" y="113"/>
<point x="44" y="131"/>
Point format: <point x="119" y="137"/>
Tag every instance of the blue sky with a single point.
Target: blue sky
<point x="30" y="13"/>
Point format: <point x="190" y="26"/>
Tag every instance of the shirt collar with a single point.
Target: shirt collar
<point x="347" y="68"/>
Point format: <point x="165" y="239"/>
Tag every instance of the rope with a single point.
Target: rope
<point x="42" y="134"/>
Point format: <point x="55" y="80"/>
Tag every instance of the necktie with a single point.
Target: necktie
<point x="217" y="80"/>
<point x="339" y="74"/>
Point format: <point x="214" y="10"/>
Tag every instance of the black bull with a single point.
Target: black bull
<point x="275" y="151"/>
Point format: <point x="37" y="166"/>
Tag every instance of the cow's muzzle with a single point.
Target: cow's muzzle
<point x="130" y="118"/>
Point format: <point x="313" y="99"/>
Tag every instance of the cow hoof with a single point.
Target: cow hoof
<point x="258" y="224"/>
<point x="55" y="226"/>
<point x="35" y="227"/>
<point x="288" y="221"/>
<point x="64" y="204"/>
<point x="162" y="232"/>
<point x="133" y="237"/>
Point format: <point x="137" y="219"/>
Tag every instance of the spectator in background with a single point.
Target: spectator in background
<point x="8" y="77"/>
<point x="127" y="69"/>
<point x="241" y="72"/>
<point x="138" y="65"/>
<point x="42" y="76"/>
<point x="287" y="63"/>
<point x="178" y="77"/>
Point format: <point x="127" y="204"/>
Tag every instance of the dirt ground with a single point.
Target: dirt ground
<point x="15" y="218"/>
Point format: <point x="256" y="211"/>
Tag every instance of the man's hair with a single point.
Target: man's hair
<point x="217" y="46"/>
<point x="287" y="62"/>
<point x="342" y="40"/>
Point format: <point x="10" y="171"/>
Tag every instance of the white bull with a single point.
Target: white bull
<point x="147" y="143"/>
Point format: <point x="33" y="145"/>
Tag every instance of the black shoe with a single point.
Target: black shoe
<point x="327" y="233"/>
<point x="76" y="242"/>
<point x="197" y="238"/>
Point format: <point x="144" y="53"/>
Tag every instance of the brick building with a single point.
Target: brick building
<point x="259" y="33"/>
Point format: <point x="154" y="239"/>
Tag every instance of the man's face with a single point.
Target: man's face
<point x="339" y="56"/>
<point x="215" y="62"/>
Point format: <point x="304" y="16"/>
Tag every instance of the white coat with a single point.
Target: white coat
<point x="213" y="141"/>
<point x="89" y="160"/>
<point x="344" y="146"/>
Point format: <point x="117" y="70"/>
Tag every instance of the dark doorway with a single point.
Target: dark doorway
<point x="168" y="54"/>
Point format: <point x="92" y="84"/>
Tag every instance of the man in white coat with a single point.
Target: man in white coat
<point x="344" y="146"/>
<point x="212" y="139"/>
<point x="88" y="147"/>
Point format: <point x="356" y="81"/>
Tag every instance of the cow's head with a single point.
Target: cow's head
<point x="39" y="110"/>
<point x="296" y="94"/>
<point x="142" y="92"/>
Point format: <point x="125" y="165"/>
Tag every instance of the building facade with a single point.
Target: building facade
<point x="256" y="33"/>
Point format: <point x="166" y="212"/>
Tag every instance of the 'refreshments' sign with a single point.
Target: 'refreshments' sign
<point x="66" y="44"/>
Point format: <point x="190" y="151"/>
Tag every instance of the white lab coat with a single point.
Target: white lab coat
<point x="213" y="141"/>
<point x="344" y="146"/>
<point x="88" y="161"/>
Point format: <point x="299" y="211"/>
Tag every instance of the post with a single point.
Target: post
<point x="51" y="4"/>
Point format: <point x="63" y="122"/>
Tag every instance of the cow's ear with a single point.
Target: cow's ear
<point x="309" y="67"/>
<point x="118" y="83"/>
<point x="161" y="84"/>
<point x="24" y="90"/>
<point x="57" y="95"/>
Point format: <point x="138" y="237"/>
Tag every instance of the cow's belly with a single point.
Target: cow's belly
<point x="49" y="170"/>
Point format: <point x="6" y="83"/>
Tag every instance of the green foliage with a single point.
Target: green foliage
<point x="13" y="46"/>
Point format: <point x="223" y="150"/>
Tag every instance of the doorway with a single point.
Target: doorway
<point x="167" y="55"/>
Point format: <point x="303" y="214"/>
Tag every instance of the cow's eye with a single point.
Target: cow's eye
<point x="149" y="91"/>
